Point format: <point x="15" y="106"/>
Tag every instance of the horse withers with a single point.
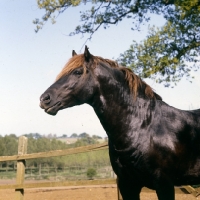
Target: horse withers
<point x="151" y="144"/>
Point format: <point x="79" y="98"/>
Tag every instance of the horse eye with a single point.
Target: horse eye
<point x="78" y="72"/>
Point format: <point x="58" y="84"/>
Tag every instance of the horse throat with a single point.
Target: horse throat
<point x="112" y="105"/>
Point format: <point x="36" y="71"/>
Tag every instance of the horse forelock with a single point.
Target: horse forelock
<point x="73" y="63"/>
<point x="79" y="60"/>
<point x="136" y="84"/>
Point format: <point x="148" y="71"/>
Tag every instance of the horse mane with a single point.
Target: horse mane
<point x="73" y="63"/>
<point x="136" y="84"/>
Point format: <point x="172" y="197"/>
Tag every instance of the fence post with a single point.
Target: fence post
<point x="22" y="149"/>
<point x="119" y="196"/>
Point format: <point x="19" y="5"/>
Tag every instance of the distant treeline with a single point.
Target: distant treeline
<point x="37" y="143"/>
<point x="50" y="135"/>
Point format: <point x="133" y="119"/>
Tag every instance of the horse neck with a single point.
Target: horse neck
<point x="115" y="105"/>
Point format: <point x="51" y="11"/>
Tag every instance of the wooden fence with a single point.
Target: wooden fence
<point x="20" y="185"/>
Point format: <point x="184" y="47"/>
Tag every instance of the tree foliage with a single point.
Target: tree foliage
<point x="167" y="54"/>
<point x="91" y="172"/>
<point x="8" y="145"/>
<point x="74" y="135"/>
<point x="171" y="51"/>
<point x="102" y="12"/>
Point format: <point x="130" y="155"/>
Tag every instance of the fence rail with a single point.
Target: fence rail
<point x="22" y="156"/>
<point x="59" y="184"/>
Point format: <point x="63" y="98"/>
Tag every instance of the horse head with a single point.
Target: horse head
<point x="74" y="85"/>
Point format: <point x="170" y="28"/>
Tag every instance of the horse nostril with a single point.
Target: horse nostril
<point x="46" y="99"/>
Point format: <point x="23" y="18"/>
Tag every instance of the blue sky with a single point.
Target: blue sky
<point x="29" y="63"/>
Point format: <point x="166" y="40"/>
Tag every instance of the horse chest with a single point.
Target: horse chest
<point x="130" y="162"/>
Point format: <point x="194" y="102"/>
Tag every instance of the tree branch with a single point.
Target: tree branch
<point x="121" y="16"/>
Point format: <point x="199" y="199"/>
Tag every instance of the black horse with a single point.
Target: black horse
<point x="151" y="144"/>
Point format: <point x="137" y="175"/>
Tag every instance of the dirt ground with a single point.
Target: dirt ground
<point x="106" y="192"/>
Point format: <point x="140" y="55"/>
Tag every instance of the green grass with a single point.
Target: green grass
<point x="68" y="173"/>
<point x="8" y="174"/>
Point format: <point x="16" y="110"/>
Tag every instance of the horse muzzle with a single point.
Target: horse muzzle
<point x="47" y="104"/>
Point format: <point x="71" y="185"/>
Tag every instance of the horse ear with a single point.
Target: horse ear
<point x="74" y="53"/>
<point x="87" y="54"/>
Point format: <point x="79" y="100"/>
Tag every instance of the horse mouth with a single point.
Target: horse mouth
<point x="53" y="109"/>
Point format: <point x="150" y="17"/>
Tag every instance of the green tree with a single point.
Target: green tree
<point x="83" y="135"/>
<point x="8" y="147"/>
<point x="96" y="137"/>
<point x="91" y="172"/>
<point x="74" y="135"/>
<point x="170" y="52"/>
<point x="33" y="135"/>
<point x="42" y="145"/>
<point x="64" y="136"/>
<point x="164" y="54"/>
<point x="85" y="141"/>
